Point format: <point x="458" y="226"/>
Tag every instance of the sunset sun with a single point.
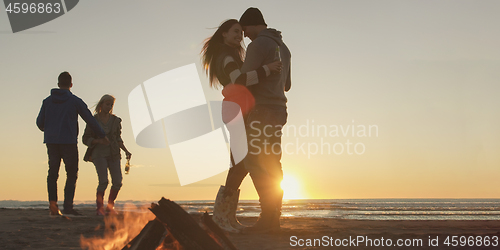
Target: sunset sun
<point x="291" y="187"/>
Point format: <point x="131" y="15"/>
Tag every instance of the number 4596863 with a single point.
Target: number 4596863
<point x="471" y="241"/>
<point x="33" y="8"/>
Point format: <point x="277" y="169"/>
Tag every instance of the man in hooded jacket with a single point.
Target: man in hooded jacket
<point x="266" y="120"/>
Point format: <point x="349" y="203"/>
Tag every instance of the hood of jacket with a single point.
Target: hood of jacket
<point x="60" y="95"/>
<point x="273" y="34"/>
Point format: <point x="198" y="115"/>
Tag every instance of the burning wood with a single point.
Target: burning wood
<point x="118" y="230"/>
<point x="187" y="231"/>
<point x="173" y="228"/>
<point x="149" y="238"/>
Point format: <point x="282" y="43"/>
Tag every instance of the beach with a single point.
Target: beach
<point x="34" y="229"/>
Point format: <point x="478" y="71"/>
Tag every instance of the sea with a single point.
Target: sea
<point x="350" y="209"/>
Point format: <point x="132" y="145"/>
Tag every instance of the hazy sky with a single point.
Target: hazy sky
<point x="423" y="73"/>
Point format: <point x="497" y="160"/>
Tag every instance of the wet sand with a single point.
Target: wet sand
<point x="34" y="229"/>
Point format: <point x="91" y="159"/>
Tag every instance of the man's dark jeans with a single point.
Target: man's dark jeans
<point x="263" y="161"/>
<point x="69" y="154"/>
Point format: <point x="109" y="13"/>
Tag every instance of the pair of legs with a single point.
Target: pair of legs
<point x="263" y="162"/>
<point x="102" y="165"/>
<point x="69" y="154"/>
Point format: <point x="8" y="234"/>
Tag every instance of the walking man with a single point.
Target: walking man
<point x="266" y="120"/>
<point x="58" y="119"/>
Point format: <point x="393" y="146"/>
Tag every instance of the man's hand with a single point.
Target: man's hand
<point x="275" y="67"/>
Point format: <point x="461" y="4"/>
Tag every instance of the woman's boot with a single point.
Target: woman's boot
<point x="110" y="208"/>
<point x="99" y="200"/>
<point x="222" y="208"/>
<point x="233" y="206"/>
<point x="54" y="209"/>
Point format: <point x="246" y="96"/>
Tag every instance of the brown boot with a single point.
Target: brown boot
<point x="270" y="215"/>
<point x="268" y="203"/>
<point x="110" y="208"/>
<point x="100" y="203"/>
<point x="265" y="224"/>
<point x="276" y="220"/>
<point x="54" y="209"/>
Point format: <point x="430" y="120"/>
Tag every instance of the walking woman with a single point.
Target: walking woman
<point x="104" y="156"/>
<point x="222" y="58"/>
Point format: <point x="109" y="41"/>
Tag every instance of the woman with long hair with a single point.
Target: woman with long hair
<point x="222" y="58"/>
<point x="105" y="156"/>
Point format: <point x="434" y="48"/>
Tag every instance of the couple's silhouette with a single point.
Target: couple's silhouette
<point x="257" y="84"/>
<point x="58" y="119"/>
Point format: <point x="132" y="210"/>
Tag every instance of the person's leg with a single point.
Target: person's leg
<point x="116" y="174"/>
<point x="231" y="192"/>
<point x="255" y="162"/>
<point x="264" y="162"/>
<point x="226" y="201"/>
<point x="235" y="175"/>
<point x="70" y="158"/>
<point x="101" y="167"/>
<point x="274" y="161"/>
<point x="53" y="173"/>
<point x="52" y="176"/>
<point x="116" y="180"/>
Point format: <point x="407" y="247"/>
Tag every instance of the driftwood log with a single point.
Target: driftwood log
<point x="183" y="227"/>
<point x="150" y="237"/>
<point x="174" y="228"/>
<point x="210" y="224"/>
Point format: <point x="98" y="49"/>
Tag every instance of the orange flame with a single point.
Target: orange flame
<point x="119" y="230"/>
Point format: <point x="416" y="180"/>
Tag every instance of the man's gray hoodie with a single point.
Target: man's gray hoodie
<point x="261" y="51"/>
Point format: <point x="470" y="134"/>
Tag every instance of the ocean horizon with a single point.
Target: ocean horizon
<point x="352" y="209"/>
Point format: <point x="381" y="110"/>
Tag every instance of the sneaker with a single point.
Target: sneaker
<point x="71" y="212"/>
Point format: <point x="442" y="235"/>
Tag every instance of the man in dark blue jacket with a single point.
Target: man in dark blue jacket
<point x="58" y="119"/>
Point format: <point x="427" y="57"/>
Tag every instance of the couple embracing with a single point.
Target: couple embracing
<point x="257" y="84"/>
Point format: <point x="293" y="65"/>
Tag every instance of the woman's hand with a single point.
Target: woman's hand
<point x="275" y="67"/>
<point x="104" y="141"/>
<point x="129" y="155"/>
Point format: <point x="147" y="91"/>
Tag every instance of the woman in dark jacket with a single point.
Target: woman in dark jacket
<point x="105" y="156"/>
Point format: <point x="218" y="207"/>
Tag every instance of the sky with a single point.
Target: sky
<point x="417" y="82"/>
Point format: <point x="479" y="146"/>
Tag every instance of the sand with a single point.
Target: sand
<point x="34" y="229"/>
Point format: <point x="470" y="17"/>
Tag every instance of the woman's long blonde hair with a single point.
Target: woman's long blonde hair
<point x="104" y="98"/>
